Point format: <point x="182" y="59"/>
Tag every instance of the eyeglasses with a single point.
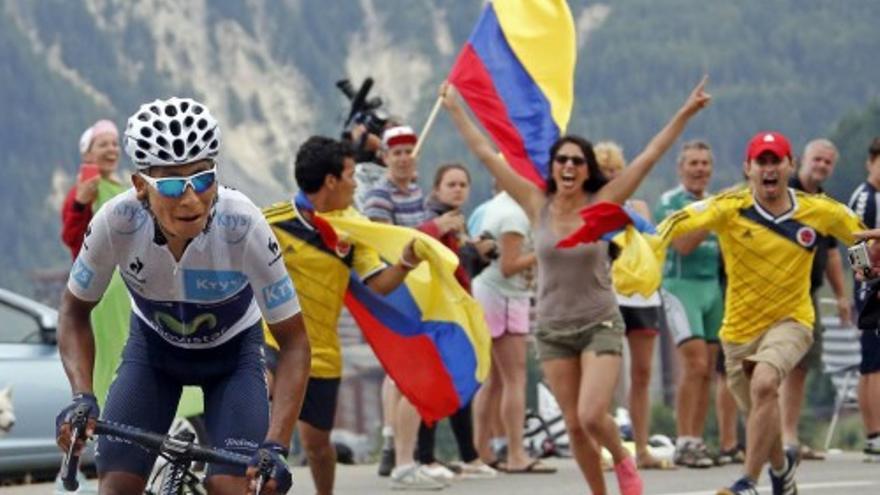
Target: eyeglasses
<point x="575" y="160"/>
<point x="175" y="187"/>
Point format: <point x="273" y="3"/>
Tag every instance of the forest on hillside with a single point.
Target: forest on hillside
<point x="805" y="67"/>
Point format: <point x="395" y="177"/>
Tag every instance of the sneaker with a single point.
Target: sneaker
<point x="628" y="478"/>
<point x="784" y="484"/>
<point x="742" y="486"/>
<point x="386" y="462"/>
<point x="872" y="451"/>
<point x="693" y="455"/>
<point x="413" y="477"/>
<point x="477" y="470"/>
<point x="439" y="472"/>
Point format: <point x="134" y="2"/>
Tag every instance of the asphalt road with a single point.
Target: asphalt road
<point x="840" y="474"/>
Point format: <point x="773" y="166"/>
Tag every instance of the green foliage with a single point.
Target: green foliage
<point x="853" y="135"/>
<point x="799" y="66"/>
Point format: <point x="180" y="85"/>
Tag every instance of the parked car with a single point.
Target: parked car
<point x="31" y="366"/>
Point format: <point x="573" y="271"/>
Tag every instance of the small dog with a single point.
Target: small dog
<point x="7" y="416"/>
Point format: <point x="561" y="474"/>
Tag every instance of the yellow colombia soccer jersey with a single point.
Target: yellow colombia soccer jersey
<point x="767" y="260"/>
<point x="321" y="280"/>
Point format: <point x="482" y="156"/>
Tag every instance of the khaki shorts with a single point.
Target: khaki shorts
<point x="571" y="339"/>
<point x="782" y="347"/>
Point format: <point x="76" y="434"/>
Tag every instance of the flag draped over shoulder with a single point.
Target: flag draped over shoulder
<point x="638" y="266"/>
<point x="429" y="334"/>
<point x="516" y="72"/>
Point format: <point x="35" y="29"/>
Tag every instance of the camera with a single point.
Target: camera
<point x="363" y="110"/>
<point x="487" y="236"/>
<point x="860" y="258"/>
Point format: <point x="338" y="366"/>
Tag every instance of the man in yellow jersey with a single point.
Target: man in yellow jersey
<point x="324" y="170"/>
<point x="768" y="235"/>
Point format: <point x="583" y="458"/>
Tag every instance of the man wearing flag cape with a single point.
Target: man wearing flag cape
<point x="435" y="353"/>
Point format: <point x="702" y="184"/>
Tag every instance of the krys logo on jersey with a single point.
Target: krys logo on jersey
<point x="233" y="226"/>
<point x="212" y="285"/>
<point x="278" y="293"/>
<point x="128" y="217"/>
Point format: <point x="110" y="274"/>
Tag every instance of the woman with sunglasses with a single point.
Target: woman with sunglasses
<point x="580" y="332"/>
<point x="202" y="267"/>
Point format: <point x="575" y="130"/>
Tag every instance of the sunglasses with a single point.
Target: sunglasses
<point x="575" y="160"/>
<point x="174" y="187"/>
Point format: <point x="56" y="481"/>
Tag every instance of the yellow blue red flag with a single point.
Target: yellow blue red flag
<point x="430" y="335"/>
<point x="516" y="72"/>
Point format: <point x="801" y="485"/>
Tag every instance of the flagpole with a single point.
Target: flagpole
<point x="428" y="124"/>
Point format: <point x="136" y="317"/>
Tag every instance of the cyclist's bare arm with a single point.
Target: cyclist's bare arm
<point x="76" y="345"/>
<point x="75" y="341"/>
<point x="294" y="363"/>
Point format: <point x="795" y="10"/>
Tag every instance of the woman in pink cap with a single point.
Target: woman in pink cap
<point x="99" y="149"/>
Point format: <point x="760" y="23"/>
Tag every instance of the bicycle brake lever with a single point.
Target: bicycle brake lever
<point x="264" y="472"/>
<point x="70" y="466"/>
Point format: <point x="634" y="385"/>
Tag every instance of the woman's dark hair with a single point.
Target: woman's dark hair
<point x="595" y="181"/>
<point x="874" y="149"/>
<point x="446" y="167"/>
<point x="317" y="158"/>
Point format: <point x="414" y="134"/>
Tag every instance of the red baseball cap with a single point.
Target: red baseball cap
<point x="771" y="141"/>
<point x="402" y="134"/>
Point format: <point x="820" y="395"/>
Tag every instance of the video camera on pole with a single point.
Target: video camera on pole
<point x="363" y="110"/>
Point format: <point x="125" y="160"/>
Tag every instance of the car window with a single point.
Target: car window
<point x="16" y="326"/>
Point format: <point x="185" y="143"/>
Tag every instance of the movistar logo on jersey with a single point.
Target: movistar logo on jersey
<point x="278" y="293"/>
<point x="185" y="328"/>
<point x="212" y="285"/>
<point x="82" y="274"/>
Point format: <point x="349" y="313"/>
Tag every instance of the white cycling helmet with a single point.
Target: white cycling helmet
<point x="171" y="132"/>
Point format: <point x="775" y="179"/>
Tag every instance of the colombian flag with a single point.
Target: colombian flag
<point x="638" y="267"/>
<point x="516" y="72"/>
<point x="430" y="334"/>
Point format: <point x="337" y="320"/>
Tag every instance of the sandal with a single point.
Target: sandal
<point x="534" y="467"/>
<point x="809" y="454"/>
<point x="498" y="465"/>
<point x="651" y="462"/>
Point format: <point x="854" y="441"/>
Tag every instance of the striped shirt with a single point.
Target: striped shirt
<point x="388" y="203"/>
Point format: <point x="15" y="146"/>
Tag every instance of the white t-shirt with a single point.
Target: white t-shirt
<point x="503" y="215"/>
<point x="228" y="276"/>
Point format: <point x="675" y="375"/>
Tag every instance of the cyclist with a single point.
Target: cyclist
<point x="202" y="266"/>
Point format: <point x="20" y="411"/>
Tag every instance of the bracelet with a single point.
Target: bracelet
<point x="406" y="264"/>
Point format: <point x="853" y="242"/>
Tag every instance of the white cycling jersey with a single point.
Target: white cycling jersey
<point x="226" y="278"/>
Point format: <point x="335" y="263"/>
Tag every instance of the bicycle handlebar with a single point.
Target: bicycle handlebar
<point x="181" y="449"/>
<point x="165" y="443"/>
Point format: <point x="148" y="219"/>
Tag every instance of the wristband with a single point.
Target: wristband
<point x="404" y="263"/>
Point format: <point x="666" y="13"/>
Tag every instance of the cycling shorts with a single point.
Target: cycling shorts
<point x="694" y="309"/>
<point x="148" y="385"/>
<point x="641" y="319"/>
<point x="319" y="403"/>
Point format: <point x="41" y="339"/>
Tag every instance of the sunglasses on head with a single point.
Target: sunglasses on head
<point x="174" y="187"/>
<point x="575" y="160"/>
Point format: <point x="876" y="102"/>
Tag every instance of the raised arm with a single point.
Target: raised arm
<point x="625" y="184"/>
<point x="527" y="194"/>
